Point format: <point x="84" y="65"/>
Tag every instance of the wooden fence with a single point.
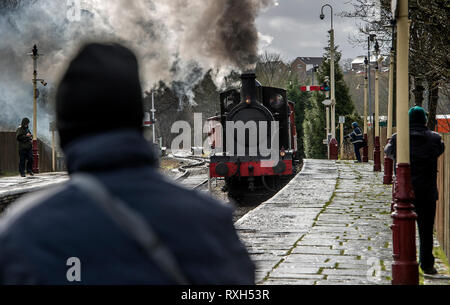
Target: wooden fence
<point x="9" y="155"/>
<point x="442" y="222"/>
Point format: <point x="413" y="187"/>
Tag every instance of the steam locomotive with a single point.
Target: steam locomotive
<point x="252" y="122"/>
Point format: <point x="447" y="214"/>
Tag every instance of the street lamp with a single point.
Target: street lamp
<point x="388" y="163"/>
<point x="365" y="157"/>
<point x="376" y="146"/>
<point x="370" y="38"/>
<point x="405" y="267"/>
<point x="333" y="143"/>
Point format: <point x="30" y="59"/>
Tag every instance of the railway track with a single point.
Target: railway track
<point x="194" y="175"/>
<point x="191" y="174"/>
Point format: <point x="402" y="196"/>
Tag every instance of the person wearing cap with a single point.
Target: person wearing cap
<point x="117" y="220"/>
<point x="24" y="137"/>
<point x="425" y="148"/>
<point x="357" y="139"/>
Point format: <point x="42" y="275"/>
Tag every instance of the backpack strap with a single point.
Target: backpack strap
<point x="132" y="223"/>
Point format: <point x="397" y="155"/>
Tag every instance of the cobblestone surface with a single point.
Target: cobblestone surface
<point x="329" y="225"/>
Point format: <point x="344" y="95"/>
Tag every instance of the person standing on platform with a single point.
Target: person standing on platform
<point x="24" y="137"/>
<point x="425" y="148"/>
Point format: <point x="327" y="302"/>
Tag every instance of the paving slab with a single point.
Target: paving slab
<point x="344" y="238"/>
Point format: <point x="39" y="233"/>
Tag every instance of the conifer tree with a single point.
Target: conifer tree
<point x="315" y="122"/>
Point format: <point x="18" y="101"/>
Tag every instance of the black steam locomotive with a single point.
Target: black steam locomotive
<point x="240" y="153"/>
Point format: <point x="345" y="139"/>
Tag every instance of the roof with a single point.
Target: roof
<point x="316" y="61"/>
<point x="360" y="59"/>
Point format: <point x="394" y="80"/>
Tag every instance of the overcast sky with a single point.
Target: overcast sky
<point x="293" y="28"/>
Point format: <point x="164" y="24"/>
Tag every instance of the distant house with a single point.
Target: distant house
<point x="358" y="63"/>
<point x="303" y="66"/>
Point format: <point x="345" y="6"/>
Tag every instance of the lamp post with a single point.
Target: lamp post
<point x="376" y="146"/>
<point x="405" y="268"/>
<point x="35" y="55"/>
<point x="370" y="38"/>
<point x="365" y="157"/>
<point x="388" y="163"/>
<point x="333" y="142"/>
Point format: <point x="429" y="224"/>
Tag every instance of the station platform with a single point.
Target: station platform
<point x="329" y="226"/>
<point x="15" y="186"/>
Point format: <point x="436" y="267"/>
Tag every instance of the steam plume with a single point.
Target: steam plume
<point x="177" y="42"/>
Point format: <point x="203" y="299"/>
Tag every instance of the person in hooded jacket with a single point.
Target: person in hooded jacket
<point x="24" y="137"/>
<point x="425" y="148"/>
<point x="357" y="139"/>
<point x="117" y="220"/>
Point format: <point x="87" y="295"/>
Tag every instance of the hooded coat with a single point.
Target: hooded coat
<point x="356" y="135"/>
<point x="40" y="233"/>
<point x="425" y="148"/>
<point x="21" y="135"/>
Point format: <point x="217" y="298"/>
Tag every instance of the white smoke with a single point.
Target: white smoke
<point x="176" y="41"/>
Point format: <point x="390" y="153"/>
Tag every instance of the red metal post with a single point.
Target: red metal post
<point x="333" y="149"/>
<point x="35" y="166"/>
<point x="405" y="269"/>
<point x="376" y="155"/>
<point x="393" y="195"/>
<point x="365" y="157"/>
<point x="388" y="166"/>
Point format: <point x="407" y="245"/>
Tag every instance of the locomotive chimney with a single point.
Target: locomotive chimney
<point x="248" y="90"/>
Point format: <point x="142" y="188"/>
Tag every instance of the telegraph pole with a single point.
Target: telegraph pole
<point x="405" y="268"/>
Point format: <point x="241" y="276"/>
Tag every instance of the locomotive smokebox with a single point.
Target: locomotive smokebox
<point x="248" y="90"/>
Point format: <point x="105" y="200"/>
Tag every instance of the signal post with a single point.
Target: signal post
<point x="35" y="55"/>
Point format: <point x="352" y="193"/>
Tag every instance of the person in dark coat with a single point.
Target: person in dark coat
<point x="131" y="225"/>
<point x="24" y="137"/>
<point x="357" y="139"/>
<point x="425" y="148"/>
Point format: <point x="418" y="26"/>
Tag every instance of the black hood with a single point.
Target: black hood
<point x="25" y="121"/>
<point x="99" y="92"/>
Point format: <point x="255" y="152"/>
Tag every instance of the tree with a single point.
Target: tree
<point x="428" y="50"/>
<point x="271" y="70"/>
<point x="314" y="124"/>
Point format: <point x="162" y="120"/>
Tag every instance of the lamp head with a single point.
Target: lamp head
<point x="322" y="16"/>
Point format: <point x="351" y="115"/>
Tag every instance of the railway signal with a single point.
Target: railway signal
<point x="325" y="87"/>
<point x="35" y="55"/>
<point x="310" y="88"/>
